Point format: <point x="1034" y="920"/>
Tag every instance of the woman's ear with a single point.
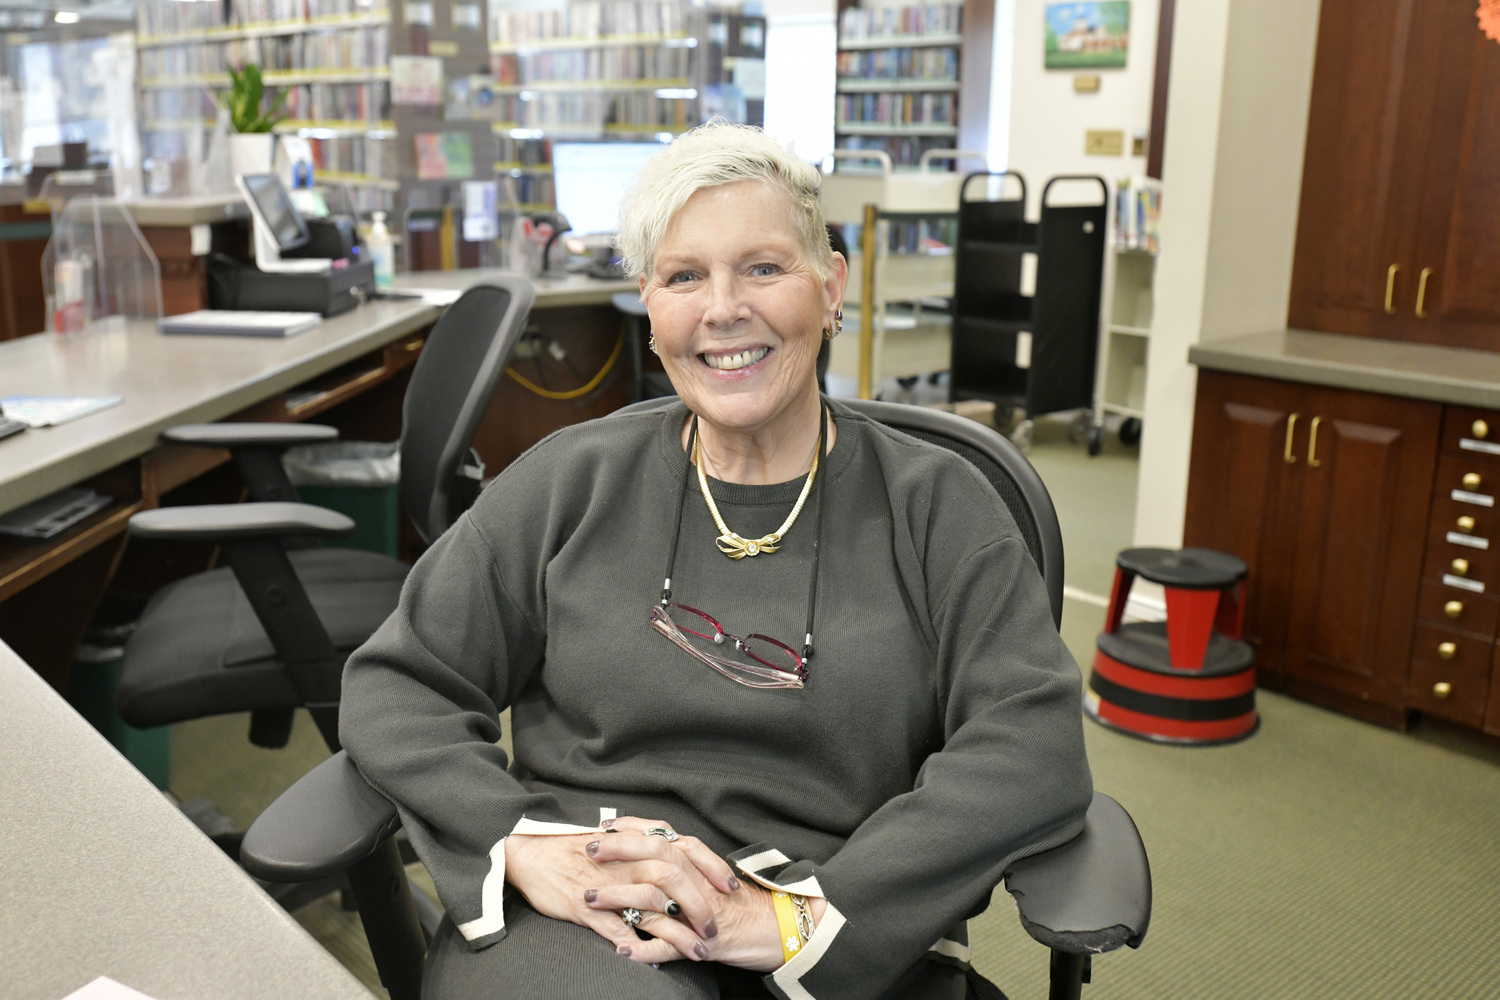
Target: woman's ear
<point x="838" y="277"/>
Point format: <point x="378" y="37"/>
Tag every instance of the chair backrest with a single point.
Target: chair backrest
<point x="450" y="389"/>
<point x="1000" y="462"/>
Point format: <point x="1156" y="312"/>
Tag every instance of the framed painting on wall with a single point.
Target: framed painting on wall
<point x="1090" y="35"/>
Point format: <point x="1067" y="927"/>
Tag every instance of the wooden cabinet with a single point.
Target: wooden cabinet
<point x="1324" y="493"/>
<point x="1395" y="232"/>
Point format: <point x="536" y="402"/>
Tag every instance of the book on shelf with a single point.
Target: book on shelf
<point x="444" y="155"/>
<point x="937" y="63"/>
<point x="1138" y="214"/>
<point x="913" y="19"/>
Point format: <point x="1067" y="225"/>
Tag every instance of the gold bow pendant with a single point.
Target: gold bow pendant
<point x="735" y="547"/>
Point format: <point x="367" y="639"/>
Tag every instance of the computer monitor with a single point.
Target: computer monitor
<point x="591" y="177"/>
<point x="273" y="208"/>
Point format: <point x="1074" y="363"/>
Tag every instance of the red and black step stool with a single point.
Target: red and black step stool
<point x="1189" y="679"/>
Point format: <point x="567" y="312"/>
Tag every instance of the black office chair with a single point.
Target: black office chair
<point x="270" y="633"/>
<point x="1088" y="896"/>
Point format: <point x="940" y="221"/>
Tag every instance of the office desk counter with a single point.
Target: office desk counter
<point x="165" y="381"/>
<point x="551" y="292"/>
<point x="104" y="877"/>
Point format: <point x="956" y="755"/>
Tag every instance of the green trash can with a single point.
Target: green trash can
<point x="358" y="479"/>
<point x="91" y="692"/>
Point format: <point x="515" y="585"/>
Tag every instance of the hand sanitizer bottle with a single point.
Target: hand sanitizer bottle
<point x="382" y="253"/>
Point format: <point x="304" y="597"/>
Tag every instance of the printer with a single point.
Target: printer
<point x="301" y="265"/>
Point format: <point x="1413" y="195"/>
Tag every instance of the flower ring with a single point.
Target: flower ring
<point x="662" y="832"/>
<point x="631" y="916"/>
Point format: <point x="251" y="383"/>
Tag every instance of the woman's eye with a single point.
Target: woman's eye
<point x="765" y="270"/>
<point x="680" y="277"/>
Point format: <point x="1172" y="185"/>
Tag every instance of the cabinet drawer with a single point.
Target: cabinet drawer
<point x="1470" y="431"/>
<point x="1465" y="519"/>
<point x="1472" y="480"/>
<point x="1465" y="654"/>
<point x="1459" y="609"/>
<point x="1461" y="566"/>
<point x="1432" y="687"/>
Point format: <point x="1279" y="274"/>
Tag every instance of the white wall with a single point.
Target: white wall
<point x="1048" y="119"/>
<point x="801" y="71"/>
<point x="1232" y="167"/>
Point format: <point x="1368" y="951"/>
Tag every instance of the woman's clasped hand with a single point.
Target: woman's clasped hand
<point x="689" y="900"/>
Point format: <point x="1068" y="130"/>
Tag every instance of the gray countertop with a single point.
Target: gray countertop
<point x="104" y="877"/>
<point x="1390" y="367"/>
<point x="565" y="290"/>
<point x="165" y="381"/>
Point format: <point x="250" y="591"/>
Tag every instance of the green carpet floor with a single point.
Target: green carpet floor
<point x="1320" y="858"/>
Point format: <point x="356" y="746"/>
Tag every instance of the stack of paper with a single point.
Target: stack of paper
<point x="236" y="323"/>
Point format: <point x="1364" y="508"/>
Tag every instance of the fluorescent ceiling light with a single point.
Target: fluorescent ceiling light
<point x="67" y="17"/>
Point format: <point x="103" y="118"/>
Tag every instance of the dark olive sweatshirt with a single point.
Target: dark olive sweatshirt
<point x="938" y="735"/>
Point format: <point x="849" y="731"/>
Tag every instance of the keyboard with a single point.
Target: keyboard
<point x="9" y="426"/>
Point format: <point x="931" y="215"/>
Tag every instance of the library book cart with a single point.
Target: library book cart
<point x="901" y="271"/>
<point x="1032" y="354"/>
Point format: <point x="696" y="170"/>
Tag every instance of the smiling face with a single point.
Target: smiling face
<point x="738" y="310"/>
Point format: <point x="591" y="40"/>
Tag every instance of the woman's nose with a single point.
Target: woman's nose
<point x="726" y="302"/>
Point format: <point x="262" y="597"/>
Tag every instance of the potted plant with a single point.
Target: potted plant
<point x="251" y="146"/>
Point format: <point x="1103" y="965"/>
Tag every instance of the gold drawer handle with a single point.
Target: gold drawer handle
<point x="1480" y="429"/>
<point x="1312" y="443"/>
<point x="1286" y="453"/>
<point x="1461" y="567"/>
<point x="1390" y="288"/>
<point x="1447" y="650"/>
<point x="1471" y="480"/>
<point x="1422" y="293"/>
<point x="1441" y="690"/>
<point x="1466" y="523"/>
<point x="415" y="345"/>
<point x="1453" y="609"/>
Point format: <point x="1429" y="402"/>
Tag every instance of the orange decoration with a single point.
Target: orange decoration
<point x="1489" y="18"/>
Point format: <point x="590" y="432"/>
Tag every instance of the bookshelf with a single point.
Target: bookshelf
<point x="332" y="57"/>
<point x="1130" y="271"/>
<point x="602" y="69"/>
<point x="899" y="78"/>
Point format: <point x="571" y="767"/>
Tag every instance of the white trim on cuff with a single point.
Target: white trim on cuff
<point x="789" y="976"/>
<point x="491" y="919"/>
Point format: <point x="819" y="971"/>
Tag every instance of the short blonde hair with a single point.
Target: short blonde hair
<point x="711" y="155"/>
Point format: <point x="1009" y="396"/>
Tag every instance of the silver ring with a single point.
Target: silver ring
<point x="662" y="832"/>
<point x="631" y="916"/>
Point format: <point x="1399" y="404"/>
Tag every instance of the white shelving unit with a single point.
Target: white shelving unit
<point x="1124" y="341"/>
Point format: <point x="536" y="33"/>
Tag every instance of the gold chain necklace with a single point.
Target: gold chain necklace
<point x="731" y="543"/>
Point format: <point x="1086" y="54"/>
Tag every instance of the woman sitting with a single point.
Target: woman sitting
<point x="786" y="694"/>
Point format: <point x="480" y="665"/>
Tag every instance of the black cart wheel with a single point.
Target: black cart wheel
<point x="1096" y="440"/>
<point x="1130" y="432"/>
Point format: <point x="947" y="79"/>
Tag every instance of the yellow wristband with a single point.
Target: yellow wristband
<point x="786" y="921"/>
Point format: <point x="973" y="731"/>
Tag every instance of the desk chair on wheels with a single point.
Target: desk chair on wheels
<point x="1088" y="896"/>
<point x="270" y="633"/>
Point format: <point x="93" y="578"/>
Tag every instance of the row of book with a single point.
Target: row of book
<point x="589" y="20"/>
<point x="898" y="109"/>
<point x="905" y="150"/>
<point x="346" y="49"/>
<point x="1138" y="214"/>
<point x="628" y="62"/>
<point x="931" y="63"/>
<point x="526" y="152"/>
<point x="914" y="19"/>
<point x="349" y="102"/>
<point x="530" y="188"/>
<point x="157" y="18"/>
<point x="642" y="111"/>
<point x="364" y="156"/>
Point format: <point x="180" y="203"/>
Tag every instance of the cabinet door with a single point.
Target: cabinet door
<point x="1242" y="494"/>
<point x="1458" y="241"/>
<point x="1367" y="469"/>
<point x="1353" y="222"/>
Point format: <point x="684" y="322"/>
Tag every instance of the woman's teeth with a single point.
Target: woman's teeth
<point x="729" y="362"/>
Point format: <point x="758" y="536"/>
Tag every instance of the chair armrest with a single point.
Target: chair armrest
<point x="330" y="819"/>
<point x="1092" y="894"/>
<point x="269" y="435"/>
<point x="226" y="522"/>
